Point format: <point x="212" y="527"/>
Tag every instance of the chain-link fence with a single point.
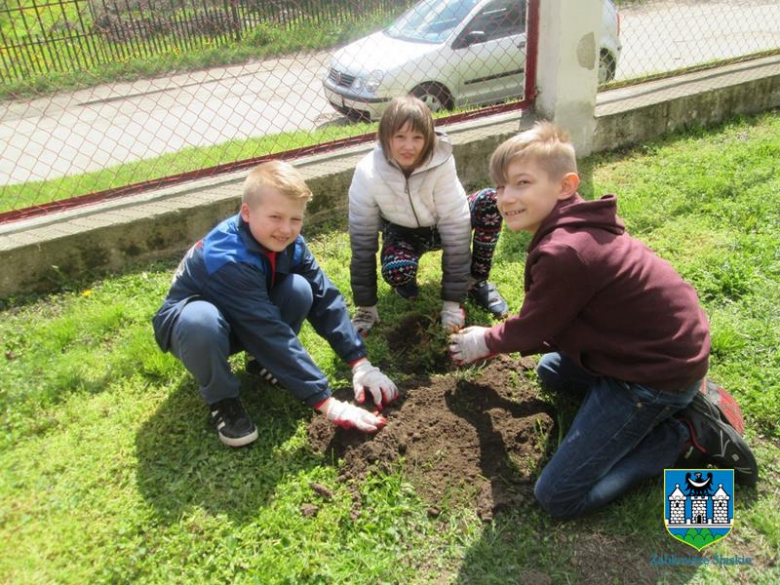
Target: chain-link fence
<point x="660" y="37"/>
<point x="293" y="77"/>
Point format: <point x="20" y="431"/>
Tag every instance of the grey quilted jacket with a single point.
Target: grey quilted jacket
<point x="431" y="196"/>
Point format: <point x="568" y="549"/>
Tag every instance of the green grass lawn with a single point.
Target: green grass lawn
<point x="110" y="473"/>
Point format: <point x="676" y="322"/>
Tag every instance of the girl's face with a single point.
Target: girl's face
<point x="406" y="145"/>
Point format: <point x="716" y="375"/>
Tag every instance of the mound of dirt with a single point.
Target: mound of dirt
<point x="474" y="439"/>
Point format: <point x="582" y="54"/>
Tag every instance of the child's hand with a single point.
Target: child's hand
<point x="453" y="316"/>
<point x="349" y="416"/>
<point x="365" y="318"/>
<point x="469" y="345"/>
<point x="367" y="377"/>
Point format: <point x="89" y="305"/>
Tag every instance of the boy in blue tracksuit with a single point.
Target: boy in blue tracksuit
<point x="248" y="285"/>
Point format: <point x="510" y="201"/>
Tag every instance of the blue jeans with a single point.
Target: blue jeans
<point x="202" y="338"/>
<point x="623" y="433"/>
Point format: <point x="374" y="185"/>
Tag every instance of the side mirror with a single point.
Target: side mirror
<point x="470" y="38"/>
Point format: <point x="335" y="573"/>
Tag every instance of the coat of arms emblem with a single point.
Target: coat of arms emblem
<point x="699" y="505"/>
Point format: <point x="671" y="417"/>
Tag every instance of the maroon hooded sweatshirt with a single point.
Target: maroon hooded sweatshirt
<point x="605" y="300"/>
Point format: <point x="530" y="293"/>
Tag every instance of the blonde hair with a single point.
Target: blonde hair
<point x="411" y="110"/>
<point x="546" y="144"/>
<point x="278" y="175"/>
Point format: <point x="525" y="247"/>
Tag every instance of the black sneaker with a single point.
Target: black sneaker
<point x="232" y="422"/>
<point x="715" y="442"/>
<point x="486" y="295"/>
<point x="255" y="368"/>
<point x="408" y="291"/>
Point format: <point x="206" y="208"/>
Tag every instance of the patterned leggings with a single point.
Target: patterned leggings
<point x="402" y="247"/>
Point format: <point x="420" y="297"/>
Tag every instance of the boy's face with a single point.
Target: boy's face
<point x="531" y="194"/>
<point x="275" y="220"/>
<point x="406" y="145"/>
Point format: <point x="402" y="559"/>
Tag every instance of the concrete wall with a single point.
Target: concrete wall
<point x="650" y="110"/>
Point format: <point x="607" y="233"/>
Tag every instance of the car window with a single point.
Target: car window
<point x="500" y="18"/>
<point x="431" y="21"/>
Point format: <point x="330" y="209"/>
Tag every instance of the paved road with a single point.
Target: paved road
<point x="94" y="129"/>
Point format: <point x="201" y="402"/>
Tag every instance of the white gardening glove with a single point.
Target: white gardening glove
<point x="468" y="345"/>
<point x="365" y="318"/>
<point x="367" y="377"/>
<point x="453" y="316"/>
<point x="349" y="416"/>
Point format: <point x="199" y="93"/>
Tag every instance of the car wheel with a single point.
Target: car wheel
<point x="357" y="116"/>
<point x="435" y="96"/>
<point x="607" y="66"/>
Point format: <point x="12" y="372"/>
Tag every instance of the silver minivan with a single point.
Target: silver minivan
<point x="449" y="53"/>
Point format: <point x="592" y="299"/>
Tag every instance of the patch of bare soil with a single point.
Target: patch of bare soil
<point x="475" y="441"/>
<point x="412" y="339"/>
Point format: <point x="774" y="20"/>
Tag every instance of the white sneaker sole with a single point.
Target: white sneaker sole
<point x="240" y="441"/>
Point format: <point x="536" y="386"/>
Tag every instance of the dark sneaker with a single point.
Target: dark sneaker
<point x="727" y="406"/>
<point x="408" y="291"/>
<point x="255" y="368"/>
<point x="232" y="422"/>
<point x="485" y="295"/>
<point x="715" y="442"/>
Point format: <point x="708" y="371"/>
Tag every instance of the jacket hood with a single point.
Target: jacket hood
<point x="575" y="212"/>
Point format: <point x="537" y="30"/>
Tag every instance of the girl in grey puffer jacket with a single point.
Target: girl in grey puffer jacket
<point x="408" y="189"/>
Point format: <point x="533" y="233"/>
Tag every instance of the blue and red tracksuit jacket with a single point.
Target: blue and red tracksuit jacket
<point x="231" y="270"/>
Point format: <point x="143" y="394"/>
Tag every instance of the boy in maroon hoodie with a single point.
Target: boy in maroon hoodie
<point x="617" y="325"/>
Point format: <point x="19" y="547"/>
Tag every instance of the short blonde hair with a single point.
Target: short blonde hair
<point x="546" y="144"/>
<point x="278" y="175"/>
<point x="411" y="110"/>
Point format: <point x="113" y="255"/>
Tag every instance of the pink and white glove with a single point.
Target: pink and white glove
<point x="453" y="316"/>
<point x="348" y="416"/>
<point x="469" y="346"/>
<point x="368" y="377"/>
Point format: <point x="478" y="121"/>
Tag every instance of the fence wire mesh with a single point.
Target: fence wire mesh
<point x="100" y="94"/>
<point x="663" y="36"/>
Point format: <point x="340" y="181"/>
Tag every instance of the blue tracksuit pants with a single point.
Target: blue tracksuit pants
<point x="202" y="338"/>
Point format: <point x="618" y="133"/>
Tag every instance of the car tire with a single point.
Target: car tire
<point x="357" y="116"/>
<point x="607" y="66"/>
<point x="435" y="96"/>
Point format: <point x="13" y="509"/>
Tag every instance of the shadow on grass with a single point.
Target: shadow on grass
<point x="625" y="542"/>
<point x="182" y="465"/>
<point x="511" y="480"/>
